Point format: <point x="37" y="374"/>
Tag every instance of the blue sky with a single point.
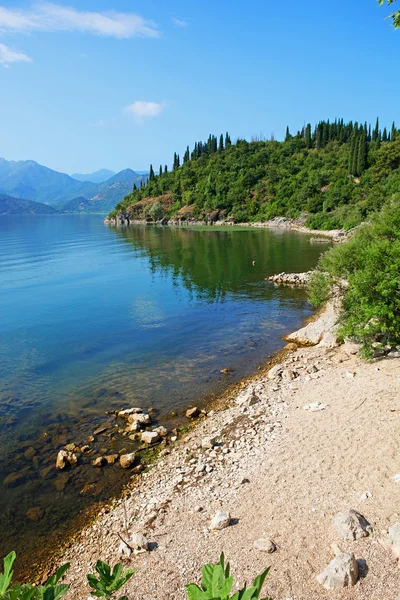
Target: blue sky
<point x="87" y="84"/>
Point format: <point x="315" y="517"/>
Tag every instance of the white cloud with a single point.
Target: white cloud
<point x="142" y="109"/>
<point x="179" y="22"/>
<point x="46" y="16"/>
<point x="8" y="56"/>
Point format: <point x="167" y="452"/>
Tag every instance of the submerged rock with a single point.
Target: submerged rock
<point x="65" y="459"/>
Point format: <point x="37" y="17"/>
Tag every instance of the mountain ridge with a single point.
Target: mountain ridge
<point x="29" y="180"/>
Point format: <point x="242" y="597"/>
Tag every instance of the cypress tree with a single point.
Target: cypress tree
<point x="178" y="161"/>
<point x="393" y="133"/>
<point x="151" y="175"/>
<point x="354" y="166"/>
<point x="221" y="143"/>
<point x="160" y="173"/>
<point x="227" y="140"/>
<point x="287" y="136"/>
<point x="134" y="187"/>
<point x="362" y="156"/>
<point x="308" y="136"/>
<point x="375" y="133"/>
<point x="166" y="169"/>
<point x="384" y="135"/>
<point x="186" y="156"/>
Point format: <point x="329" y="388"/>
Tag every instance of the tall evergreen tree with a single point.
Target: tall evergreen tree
<point x="375" y="133"/>
<point x="186" y="156"/>
<point x="134" y="187"/>
<point x="393" y="132"/>
<point x="227" y="140"/>
<point x="287" y="136"/>
<point x="151" y="175"/>
<point x="308" y="136"/>
<point x="384" y="135"/>
<point x="160" y="172"/>
<point x="166" y="169"/>
<point x="221" y="143"/>
<point x="362" y="157"/>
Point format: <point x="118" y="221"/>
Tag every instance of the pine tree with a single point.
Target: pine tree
<point x="308" y="136"/>
<point x="151" y="175"/>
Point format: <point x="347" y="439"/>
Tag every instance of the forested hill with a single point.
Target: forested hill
<point x="337" y="173"/>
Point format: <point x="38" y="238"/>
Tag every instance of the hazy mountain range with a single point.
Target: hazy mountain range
<point x="27" y="180"/>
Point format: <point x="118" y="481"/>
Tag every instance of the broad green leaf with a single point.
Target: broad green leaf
<point x="55" y="592"/>
<point x="58" y="575"/>
<point x="195" y="593"/>
<point x="6" y="577"/>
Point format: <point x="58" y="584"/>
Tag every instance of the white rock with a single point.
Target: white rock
<point x="264" y="545"/>
<point x="129" y="411"/>
<point x="150" y="437"/>
<point x="350" y="375"/>
<point x="341" y="572"/>
<point x="221" y="519"/>
<point x="315" y="406"/>
<point x="208" y="442"/>
<point x="396" y="478"/>
<point x="350" y="525"/>
<point x="142" y="418"/>
<point x="393" y="541"/>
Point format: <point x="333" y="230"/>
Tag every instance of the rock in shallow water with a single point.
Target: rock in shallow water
<point x="65" y="459"/>
<point x="127" y="460"/>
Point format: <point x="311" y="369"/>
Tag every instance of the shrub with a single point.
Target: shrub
<point x="370" y="262"/>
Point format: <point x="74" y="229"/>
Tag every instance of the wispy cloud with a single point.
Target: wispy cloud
<point x="8" y="56"/>
<point x="142" y="109"/>
<point x="47" y="16"/>
<point x="179" y="22"/>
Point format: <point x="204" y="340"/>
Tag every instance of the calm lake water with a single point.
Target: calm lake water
<point x="95" y="318"/>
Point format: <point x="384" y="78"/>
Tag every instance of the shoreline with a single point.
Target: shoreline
<point x="333" y="457"/>
<point x="282" y="223"/>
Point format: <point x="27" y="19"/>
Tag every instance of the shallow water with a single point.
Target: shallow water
<point x="95" y="318"/>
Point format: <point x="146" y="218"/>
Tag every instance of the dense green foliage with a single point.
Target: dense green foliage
<point x="108" y="582"/>
<point x="14" y="206"/>
<point x="337" y="173"/>
<point x="370" y="264"/>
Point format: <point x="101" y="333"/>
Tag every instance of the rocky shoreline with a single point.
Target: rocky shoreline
<point x="262" y="479"/>
<point x="336" y="235"/>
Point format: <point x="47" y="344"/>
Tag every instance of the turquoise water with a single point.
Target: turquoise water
<point x="95" y="318"/>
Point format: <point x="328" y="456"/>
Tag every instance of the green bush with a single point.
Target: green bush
<point x="370" y="262"/>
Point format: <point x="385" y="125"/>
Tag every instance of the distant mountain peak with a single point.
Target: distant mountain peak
<point x="97" y="177"/>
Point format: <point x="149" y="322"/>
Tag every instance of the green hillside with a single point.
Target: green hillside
<point x="337" y="173"/>
<point x="15" y="206"/>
